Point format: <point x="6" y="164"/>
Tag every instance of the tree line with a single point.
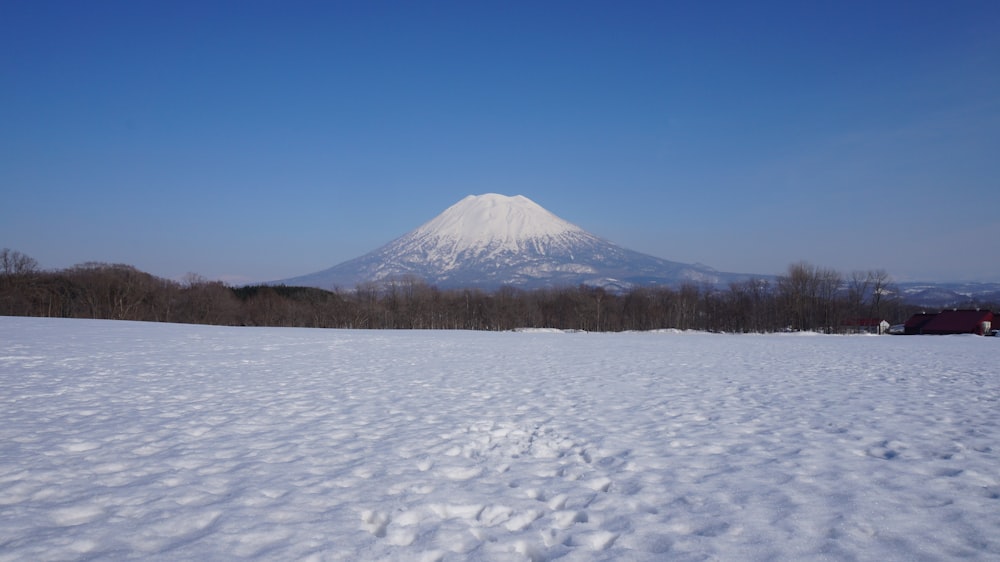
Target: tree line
<point x="806" y="297"/>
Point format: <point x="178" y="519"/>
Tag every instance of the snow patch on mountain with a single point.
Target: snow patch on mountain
<point x="492" y="228"/>
<point x="481" y="221"/>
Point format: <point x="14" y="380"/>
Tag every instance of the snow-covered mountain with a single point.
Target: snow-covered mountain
<point x="491" y="240"/>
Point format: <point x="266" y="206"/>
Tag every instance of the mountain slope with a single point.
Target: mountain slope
<point x="491" y="240"/>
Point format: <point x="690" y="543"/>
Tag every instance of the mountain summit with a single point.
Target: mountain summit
<point x="488" y="231"/>
<point x="495" y="223"/>
<point x="491" y="240"/>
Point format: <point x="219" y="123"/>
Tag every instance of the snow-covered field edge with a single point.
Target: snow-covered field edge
<point x="122" y="440"/>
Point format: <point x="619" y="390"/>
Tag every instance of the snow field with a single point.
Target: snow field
<point x="165" y="442"/>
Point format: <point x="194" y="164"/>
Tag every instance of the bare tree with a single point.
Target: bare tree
<point x="881" y="287"/>
<point x="797" y="291"/>
<point x="18" y="290"/>
<point x="16" y="264"/>
<point x="858" y="289"/>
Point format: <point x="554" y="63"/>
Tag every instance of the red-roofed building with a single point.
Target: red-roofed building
<point x="915" y="324"/>
<point x="951" y="322"/>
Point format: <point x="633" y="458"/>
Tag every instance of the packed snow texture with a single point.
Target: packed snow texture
<point x="167" y="442"/>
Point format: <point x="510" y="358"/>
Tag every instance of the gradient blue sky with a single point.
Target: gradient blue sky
<point x="251" y="141"/>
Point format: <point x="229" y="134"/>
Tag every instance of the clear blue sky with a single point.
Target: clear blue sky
<point x="251" y="141"/>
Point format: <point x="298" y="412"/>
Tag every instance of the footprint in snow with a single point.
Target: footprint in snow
<point x="553" y="481"/>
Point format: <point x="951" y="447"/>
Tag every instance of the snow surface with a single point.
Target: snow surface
<point x="168" y="442"/>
